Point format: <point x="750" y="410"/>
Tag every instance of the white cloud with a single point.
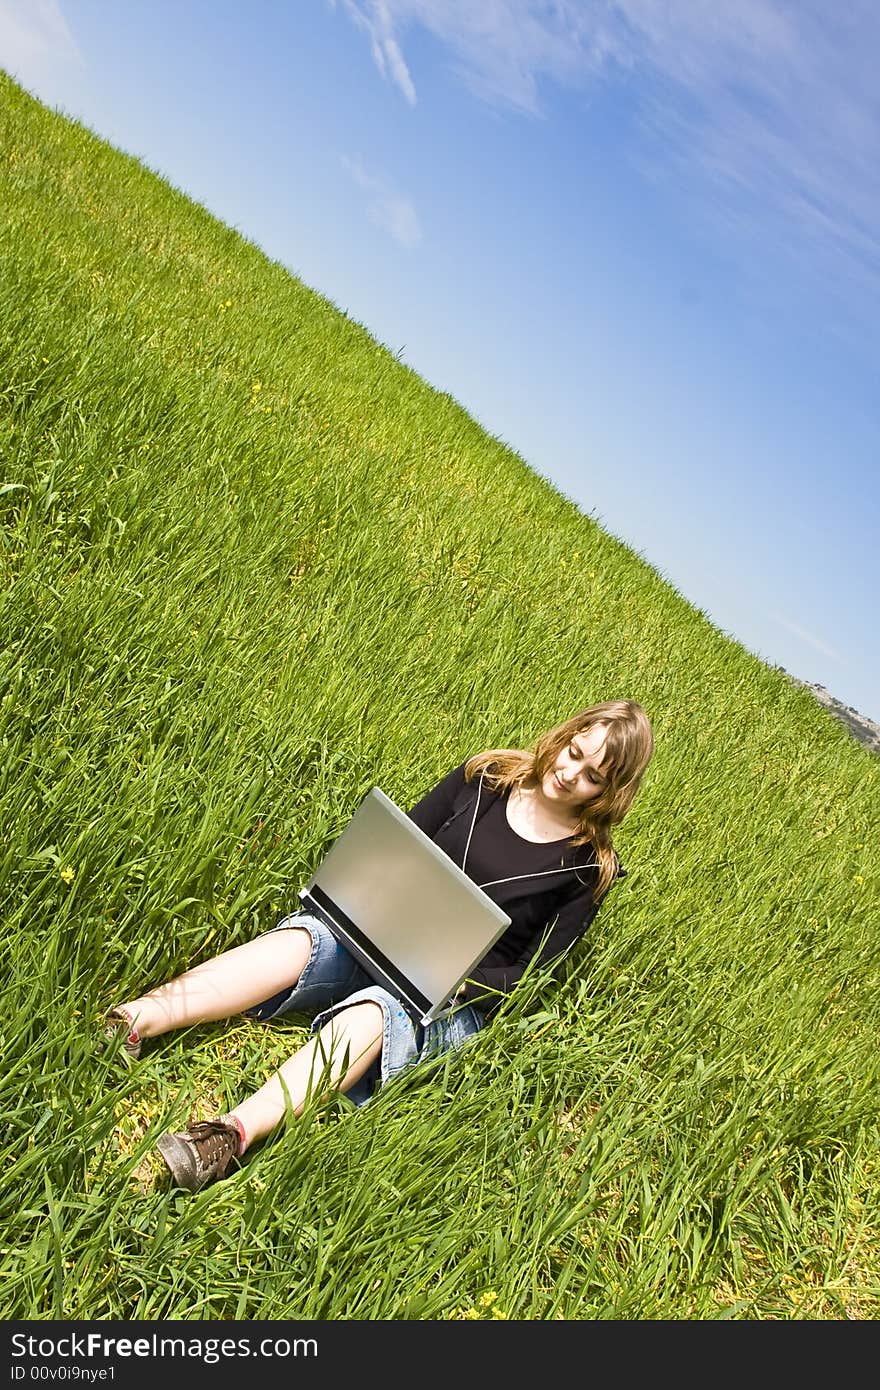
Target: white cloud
<point x="399" y="70"/>
<point x="808" y="637"/>
<point x="386" y="207"/>
<point x="770" y="108"/>
<point x="501" y="47"/>
<point x="376" y="21"/>
<point x="35" y="41"/>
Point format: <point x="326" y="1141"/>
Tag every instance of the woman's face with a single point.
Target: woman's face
<point x="576" y="776"/>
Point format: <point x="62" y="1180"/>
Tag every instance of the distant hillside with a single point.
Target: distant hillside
<point x="859" y="725"/>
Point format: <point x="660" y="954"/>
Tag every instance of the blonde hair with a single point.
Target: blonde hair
<point x="629" y="744"/>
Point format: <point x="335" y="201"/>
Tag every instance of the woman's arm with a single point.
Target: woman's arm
<point x="436" y="807"/>
<point x="572" y="921"/>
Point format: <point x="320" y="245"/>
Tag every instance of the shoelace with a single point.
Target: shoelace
<point x="214" y="1142"/>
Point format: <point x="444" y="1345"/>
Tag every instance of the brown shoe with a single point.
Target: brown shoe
<point x="121" y="1038"/>
<point x="201" y="1154"/>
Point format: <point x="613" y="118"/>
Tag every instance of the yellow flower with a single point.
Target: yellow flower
<point x="860" y="878"/>
<point x="257" y="386"/>
<point x="68" y="874"/>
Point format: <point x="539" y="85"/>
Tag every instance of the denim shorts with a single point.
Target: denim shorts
<point x="333" y="979"/>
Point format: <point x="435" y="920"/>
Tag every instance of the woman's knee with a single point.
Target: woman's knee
<point x="366" y="1016"/>
<point x="292" y="944"/>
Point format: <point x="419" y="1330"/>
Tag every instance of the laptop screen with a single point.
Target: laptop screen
<point x="411" y="916"/>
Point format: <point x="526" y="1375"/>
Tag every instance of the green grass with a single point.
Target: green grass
<point x="251" y="564"/>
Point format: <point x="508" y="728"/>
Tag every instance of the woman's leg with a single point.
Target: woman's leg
<point x="226" y="985"/>
<point x="335" y="1058"/>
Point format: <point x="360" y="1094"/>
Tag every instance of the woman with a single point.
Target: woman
<point x="531" y="827"/>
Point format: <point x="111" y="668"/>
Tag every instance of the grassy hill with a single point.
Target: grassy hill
<point x="251" y="564"/>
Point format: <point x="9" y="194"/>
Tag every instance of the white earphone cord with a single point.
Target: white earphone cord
<point x="542" y="874"/>
<point x="473" y="822"/>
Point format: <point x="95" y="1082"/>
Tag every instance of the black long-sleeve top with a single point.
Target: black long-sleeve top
<point x="534" y="883"/>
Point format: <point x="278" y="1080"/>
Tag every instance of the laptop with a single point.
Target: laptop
<point x="412" y="918"/>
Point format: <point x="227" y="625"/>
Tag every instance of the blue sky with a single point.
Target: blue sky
<point x="639" y="240"/>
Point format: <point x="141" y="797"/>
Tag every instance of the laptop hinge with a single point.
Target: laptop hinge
<point x="373" y="961"/>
